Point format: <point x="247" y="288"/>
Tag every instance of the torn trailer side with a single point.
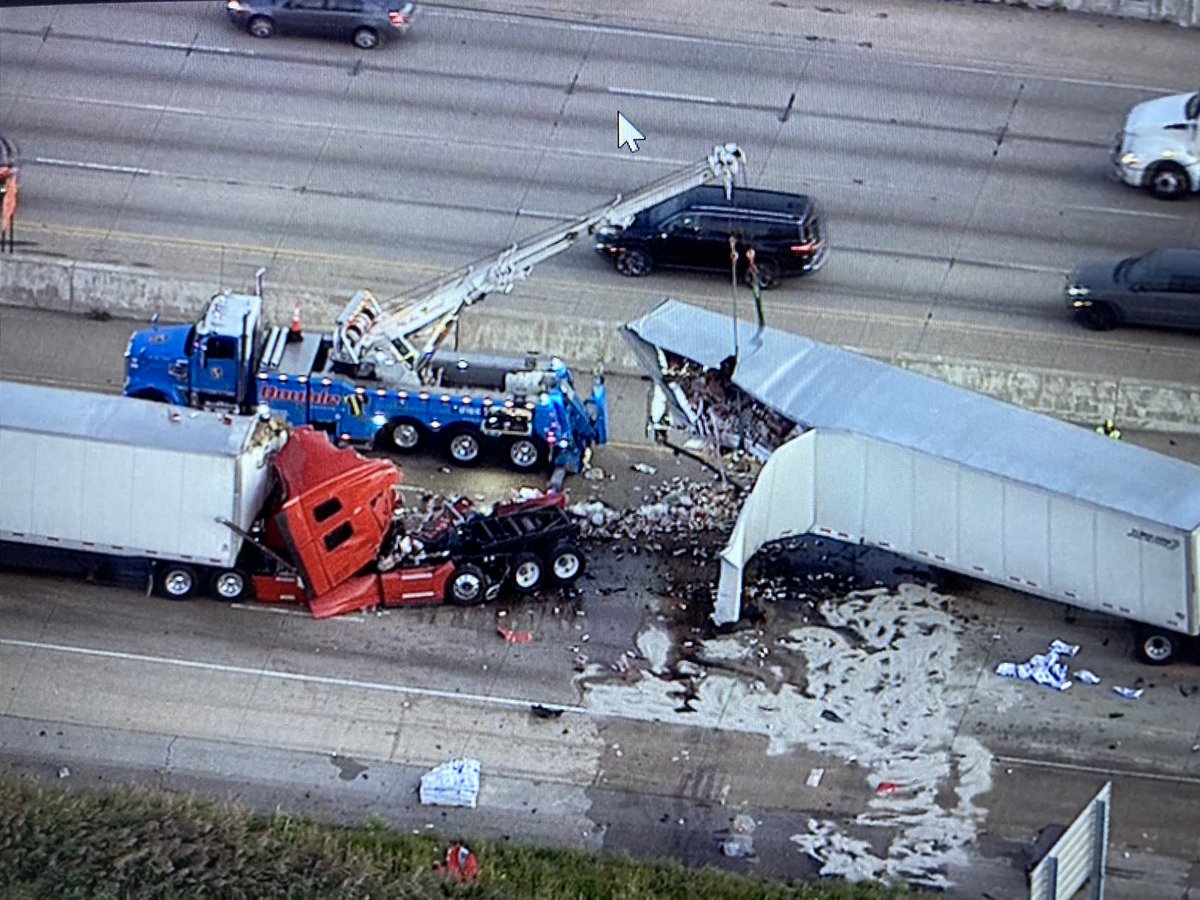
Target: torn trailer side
<point x="872" y="455"/>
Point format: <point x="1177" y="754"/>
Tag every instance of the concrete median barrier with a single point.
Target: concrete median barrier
<point x="87" y="288"/>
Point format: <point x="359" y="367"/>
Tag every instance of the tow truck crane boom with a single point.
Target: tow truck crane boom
<point x="402" y="333"/>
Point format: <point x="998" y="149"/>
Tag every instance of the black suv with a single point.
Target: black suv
<point x="692" y="231"/>
<point x="366" y="22"/>
<point x="1160" y="288"/>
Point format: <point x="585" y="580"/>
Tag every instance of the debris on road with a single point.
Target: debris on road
<point x="453" y="783"/>
<point x="1087" y="676"/>
<point x="64" y="772"/>
<point x="1043" y="668"/>
<point x="644" y="468"/>
<point x="740" y="843"/>
<point x="544" y="712"/>
<point x="679" y="505"/>
<point x="515" y="637"/>
<point x="1128" y="693"/>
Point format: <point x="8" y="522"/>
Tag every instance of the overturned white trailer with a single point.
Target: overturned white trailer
<point x="886" y="458"/>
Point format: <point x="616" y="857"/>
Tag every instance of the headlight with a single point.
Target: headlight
<point x="1129" y="159"/>
<point x="1076" y="291"/>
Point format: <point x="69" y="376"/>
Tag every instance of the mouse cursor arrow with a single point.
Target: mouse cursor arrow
<point x="627" y="133"/>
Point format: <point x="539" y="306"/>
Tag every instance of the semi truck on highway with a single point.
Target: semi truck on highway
<point x="867" y="455"/>
<point x="189" y="501"/>
<point x="379" y="373"/>
<point x="1159" y="147"/>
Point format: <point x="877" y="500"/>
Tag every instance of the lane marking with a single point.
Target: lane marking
<point x="485" y="700"/>
<point x="274" y="674"/>
<point x="95" y="167"/>
<point x="1116" y="210"/>
<point x="1100" y="770"/>
<point x="666" y="95"/>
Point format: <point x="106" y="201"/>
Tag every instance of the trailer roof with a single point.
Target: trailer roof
<point x="121" y="420"/>
<point x="820" y="386"/>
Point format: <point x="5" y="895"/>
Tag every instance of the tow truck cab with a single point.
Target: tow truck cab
<point x="208" y="364"/>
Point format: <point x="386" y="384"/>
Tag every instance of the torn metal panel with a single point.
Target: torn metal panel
<point x="935" y="473"/>
<point x="819" y="386"/>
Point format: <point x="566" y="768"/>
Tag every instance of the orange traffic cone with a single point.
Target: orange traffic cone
<point x="296" y="329"/>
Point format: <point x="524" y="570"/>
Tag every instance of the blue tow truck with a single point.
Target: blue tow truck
<point x="380" y="377"/>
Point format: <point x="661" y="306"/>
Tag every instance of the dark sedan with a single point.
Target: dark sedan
<point x="1160" y="288"/>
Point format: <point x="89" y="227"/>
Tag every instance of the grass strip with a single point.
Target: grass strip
<point x="138" y="842"/>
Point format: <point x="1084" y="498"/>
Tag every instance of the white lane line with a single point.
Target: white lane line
<point x="291" y="676"/>
<point x="1117" y="211"/>
<point x="666" y="95"/>
<point x="1102" y="770"/>
<point x="100" y="167"/>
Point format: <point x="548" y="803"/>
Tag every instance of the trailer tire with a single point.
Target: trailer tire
<point x="566" y="563"/>
<point x="1157" y="647"/>
<point x="464" y="447"/>
<point x="405" y="435"/>
<point x="525" y="453"/>
<point x="528" y="573"/>
<point x="176" y="581"/>
<point x="468" y="586"/>
<point x="228" y="585"/>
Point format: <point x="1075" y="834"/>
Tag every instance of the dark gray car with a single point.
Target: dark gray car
<point x="1160" y="288"/>
<point x="366" y="22"/>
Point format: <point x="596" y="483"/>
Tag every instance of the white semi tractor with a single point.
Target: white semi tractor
<point x="875" y="456"/>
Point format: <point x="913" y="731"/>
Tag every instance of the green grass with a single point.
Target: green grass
<point x="146" y="843"/>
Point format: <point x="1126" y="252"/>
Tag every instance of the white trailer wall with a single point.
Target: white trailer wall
<point x="127" y="477"/>
<point x="863" y="490"/>
<point x="114" y="498"/>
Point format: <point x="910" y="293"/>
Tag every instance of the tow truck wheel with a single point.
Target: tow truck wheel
<point x="405" y="434"/>
<point x="566" y="564"/>
<point x="228" y="585"/>
<point x="177" y="582"/>
<point x="468" y="586"/>
<point x="464" y="448"/>
<point x="528" y="572"/>
<point x="1157" y="647"/>
<point x="524" y="454"/>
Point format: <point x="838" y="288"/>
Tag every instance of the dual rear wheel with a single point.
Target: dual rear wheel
<point x="562" y="567"/>
<point x="179" y="581"/>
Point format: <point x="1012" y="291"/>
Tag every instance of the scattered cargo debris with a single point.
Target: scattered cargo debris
<point x="453" y="783"/>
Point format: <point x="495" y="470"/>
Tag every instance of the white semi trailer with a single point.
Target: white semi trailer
<point x="114" y="487"/>
<point x="880" y="457"/>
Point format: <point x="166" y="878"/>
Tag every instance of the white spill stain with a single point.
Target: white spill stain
<point x="892" y="696"/>
<point x="654" y="644"/>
